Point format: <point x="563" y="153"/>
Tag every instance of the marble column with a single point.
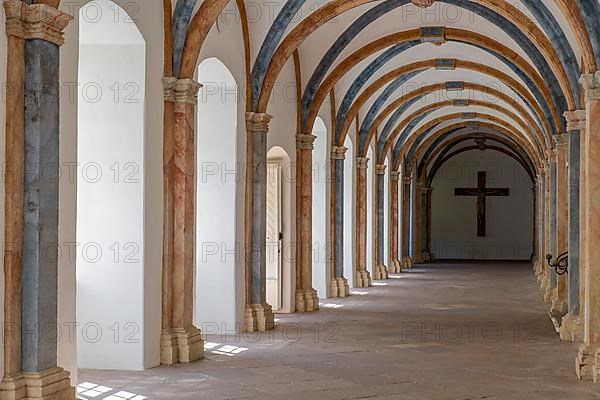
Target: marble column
<point x="362" y="277"/>
<point x="427" y="253"/>
<point x="35" y="33"/>
<point x="396" y="267"/>
<point x="181" y="341"/>
<point x="540" y="261"/>
<point x="544" y="278"/>
<point x="306" y="296"/>
<point x="339" y="284"/>
<point x="572" y="324"/>
<point x="551" y="290"/>
<point x="587" y="362"/>
<point x="418" y="221"/>
<point x="381" y="270"/>
<point x="406" y="260"/>
<point x="258" y="314"/>
<point x="560" y="297"/>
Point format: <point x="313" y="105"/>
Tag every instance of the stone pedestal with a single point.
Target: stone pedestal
<point x="571" y="329"/>
<point x="259" y="318"/>
<point x="179" y="345"/>
<point x="339" y="287"/>
<point x="381" y="272"/>
<point x="307" y="300"/>
<point x="50" y="384"/>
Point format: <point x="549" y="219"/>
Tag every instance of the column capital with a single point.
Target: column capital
<point x="561" y="140"/>
<point x="258" y="122"/>
<point x="338" y="153"/>
<point x="407" y="180"/>
<point x="35" y="21"/>
<point x="181" y="91"/>
<point x="395" y="175"/>
<point x="362" y="162"/>
<point x="380" y="169"/>
<point x="305" y="142"/>
<point x="591" y="85"/>
<point x="552" y="155"/>
<point x="576" y="120"/>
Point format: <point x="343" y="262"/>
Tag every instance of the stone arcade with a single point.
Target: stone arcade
<point x="275" y="199"/>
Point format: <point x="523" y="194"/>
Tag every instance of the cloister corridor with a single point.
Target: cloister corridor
<point x="440" y="331"/>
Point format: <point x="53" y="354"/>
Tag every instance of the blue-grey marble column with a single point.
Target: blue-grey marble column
<point x="574" y="171"/>
<point x="339" y="218"/>
<point x="553" y="202"/>
<point x="380" y="214"/>
<point x="40" y="243"/>
<point x="258" y="127"/>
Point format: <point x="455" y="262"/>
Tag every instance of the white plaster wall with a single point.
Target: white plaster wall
<point x="110" y="204"/>
<point x="233" y="56"/>
<point x="216" y="224"/>
<point x="147" y="15"/>
<point x="3" y="62"/>
<point x="319" y="220"/>
<point x="509" y="219"/>
<point x="288" y="248"/>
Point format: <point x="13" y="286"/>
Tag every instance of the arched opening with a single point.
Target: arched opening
<point x="110" y="190"/>
<point x="280" y="250"/>
<point x="319" y="217"/>
<point x="370" y="211"/>
<point x="508" y="216"/>
<point x="349" y="212"/>
<point x="218" y="258"/>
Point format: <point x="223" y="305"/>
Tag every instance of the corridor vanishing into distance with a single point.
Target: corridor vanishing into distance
<point x="460" y="331"/>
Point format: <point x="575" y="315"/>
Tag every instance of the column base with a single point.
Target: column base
<point x="549" y="292"/>
<point x="381" y="272"/>
<point x="307" y="300"/>
<point x="586" y="363"/>
<point x="362" y="279"/>
<point x="406" y="263"/>
<point x="339" y="287"/>
<point x="396" y="267"/>
<point x="51" y="384"/>
<point x="259" y="318"/>
<point x="558" y="309"/>
<point x="571" y="329"/>
<point x="180" y="345"/>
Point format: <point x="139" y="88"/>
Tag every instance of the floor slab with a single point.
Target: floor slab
<point x="441" y="331"/>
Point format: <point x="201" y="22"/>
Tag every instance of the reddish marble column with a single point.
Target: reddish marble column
<point x="587" y="364"/>
<point x="181" y="341"/>
<point x="560" y="296"/>
<point x="306" y="296"/>
<point x="362" y="277"/>
<point x="539" y="264"/>
<point x="406" y="259"/>
<point x="418" y="222"/>
<point x="545" y="277"/>
<point x="396" y="267"/>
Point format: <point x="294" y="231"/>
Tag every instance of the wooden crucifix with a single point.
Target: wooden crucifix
<point x="482" y="192"/>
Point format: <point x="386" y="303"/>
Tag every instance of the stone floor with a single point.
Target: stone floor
<point x="439" y="332"/>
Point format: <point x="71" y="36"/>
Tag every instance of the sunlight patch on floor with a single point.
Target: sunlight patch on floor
<point x="89" y="390"/>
